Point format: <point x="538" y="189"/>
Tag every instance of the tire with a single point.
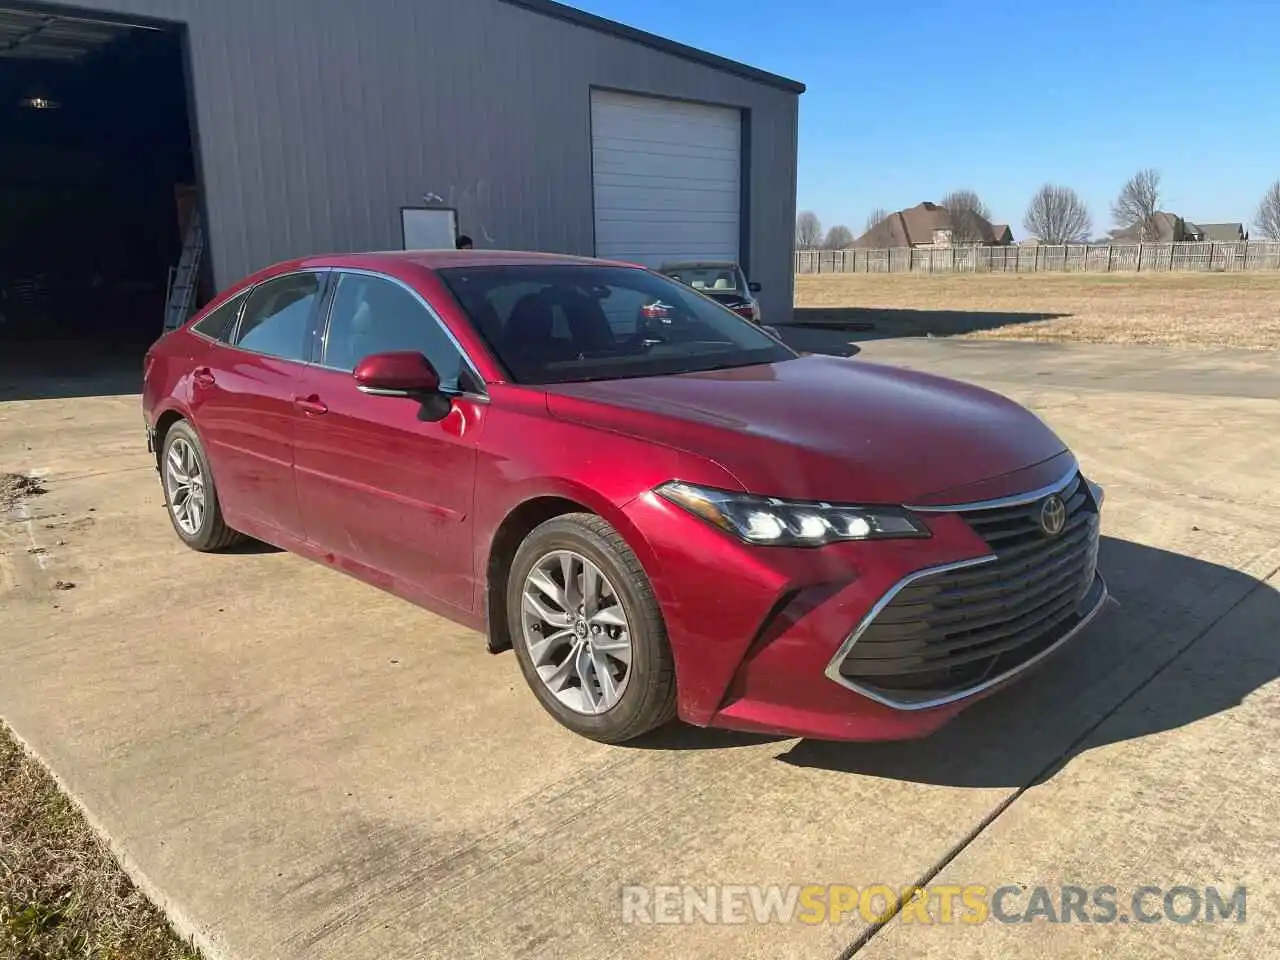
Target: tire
<point x="646" y="690"/>
<point x="211" y="532"/>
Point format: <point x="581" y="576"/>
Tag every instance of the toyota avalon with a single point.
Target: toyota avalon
<point x="661" y="507"/>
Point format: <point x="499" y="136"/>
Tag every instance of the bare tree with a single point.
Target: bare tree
<point x="1057" y="215"/>
<point x="1267" y="219"/>
<point x="966" y="214"/>
<point x="876" y="217"/>
<point x="808" y="230"/>
<point x="1135" y="208"/>
<point x="839" y="237"/>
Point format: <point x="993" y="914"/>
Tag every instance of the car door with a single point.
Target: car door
<point x="244" y="398"/>
<point x="377" y="484"/>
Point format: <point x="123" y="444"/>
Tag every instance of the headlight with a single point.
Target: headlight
<point x="766" y="520"/>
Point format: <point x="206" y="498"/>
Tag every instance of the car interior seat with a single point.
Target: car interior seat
<point x="529" y="333"/>
<point x="485" y="316"/>
<point x="587" y="322"/>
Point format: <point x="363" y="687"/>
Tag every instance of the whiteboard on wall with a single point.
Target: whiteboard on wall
<point x="429" y="228"/>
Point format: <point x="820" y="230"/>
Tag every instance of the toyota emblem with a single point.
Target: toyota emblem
<point x="1053" y="516"/>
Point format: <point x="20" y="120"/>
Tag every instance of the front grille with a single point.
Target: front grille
<point x="951" y="631"/>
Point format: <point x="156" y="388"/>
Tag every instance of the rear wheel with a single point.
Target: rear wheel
<point x="588" y="632"/>
<point x="189" y="493"/>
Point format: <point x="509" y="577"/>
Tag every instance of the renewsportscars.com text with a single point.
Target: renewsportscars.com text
<point x="939" y="904"/>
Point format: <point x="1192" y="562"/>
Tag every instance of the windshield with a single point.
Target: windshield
<point x="562" y="323"/>
<point x="707" y="279"/>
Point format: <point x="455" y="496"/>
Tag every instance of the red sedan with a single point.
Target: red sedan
<point x="663" y="508"/>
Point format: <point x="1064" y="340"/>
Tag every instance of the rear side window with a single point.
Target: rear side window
<point x="221" y="322"/>
<point x="277" y="316"/>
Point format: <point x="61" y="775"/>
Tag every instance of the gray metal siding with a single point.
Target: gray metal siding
<point x="319" y="119"/>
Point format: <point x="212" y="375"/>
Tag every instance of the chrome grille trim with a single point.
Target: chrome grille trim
<point x="1014" y="500"/>
<point x="833" y="668"/>
<point x="1034" y="566"/>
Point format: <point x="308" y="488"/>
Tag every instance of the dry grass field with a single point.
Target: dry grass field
<point x="1182" y="309"/>
<point x="62" y="894"/>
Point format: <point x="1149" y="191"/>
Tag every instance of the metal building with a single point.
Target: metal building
<point x="318" y="125"/>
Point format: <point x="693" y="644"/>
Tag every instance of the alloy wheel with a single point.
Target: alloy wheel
<point x="576" y="632"/>
<point x="184" y="483"/>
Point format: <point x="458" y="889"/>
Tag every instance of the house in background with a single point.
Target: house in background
<point x="1165" y="228"/>
<point x="1171" y="228"/>
<point x="929" y="225"/>
<point x="1223" y="232"/>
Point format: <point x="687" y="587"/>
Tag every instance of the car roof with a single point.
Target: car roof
<point x="441" y="259"/>
<point x="404" y="263"/>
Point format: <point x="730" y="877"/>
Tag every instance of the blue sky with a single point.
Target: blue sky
<point x="908" y="100"/>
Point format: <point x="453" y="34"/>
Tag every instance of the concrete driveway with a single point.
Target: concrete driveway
<point x="298" y="766"/>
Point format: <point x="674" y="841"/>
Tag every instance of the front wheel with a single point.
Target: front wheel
<point x="588" y="632"/>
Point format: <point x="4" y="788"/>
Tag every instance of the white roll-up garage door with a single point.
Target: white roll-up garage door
<point x="667" y="178"/>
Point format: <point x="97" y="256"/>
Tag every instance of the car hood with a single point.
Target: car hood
<point x="824" y="428"/>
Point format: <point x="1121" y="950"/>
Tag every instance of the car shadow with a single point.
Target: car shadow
<point x="249" y="548"/>
<point x="1089" y="694"/>
<point x="879" y="323"/>
<point x="681" y="736"/>
<point x="70" y="370"/>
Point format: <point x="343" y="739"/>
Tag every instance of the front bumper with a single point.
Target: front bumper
<point x="759" y="634"/>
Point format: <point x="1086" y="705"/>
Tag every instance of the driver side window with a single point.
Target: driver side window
<point x="376" y="315"/>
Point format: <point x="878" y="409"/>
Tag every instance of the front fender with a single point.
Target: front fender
<point x="491" y="602"/>
<point x="600" y="470"/>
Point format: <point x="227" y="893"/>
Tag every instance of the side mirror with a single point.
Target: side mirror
<point x="754" y="287"/>
<point x="771" y="331"/>
<point x="404" y="373"/>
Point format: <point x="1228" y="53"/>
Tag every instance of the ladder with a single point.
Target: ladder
<point x="180" y="295"/>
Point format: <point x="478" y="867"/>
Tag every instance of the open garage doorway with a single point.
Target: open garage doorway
<point x="97" y="184"/>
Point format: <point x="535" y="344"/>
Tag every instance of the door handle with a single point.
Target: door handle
<point x="203" y="377"/>
<point x="311" y="405"/>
